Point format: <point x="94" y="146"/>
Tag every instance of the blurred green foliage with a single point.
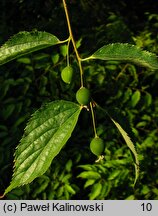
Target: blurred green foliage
<point x="27" y="83"/>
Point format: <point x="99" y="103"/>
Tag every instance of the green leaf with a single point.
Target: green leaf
<point x="89" y="182"/>
<point x="24" y="60"/>
<point x="87" y="167"/>
<point x="106" y="187"/>
<point x="131" y="197"/>
<point x="126" y="52"/>
<point x="114" y="174"/>
<point x="148" y="99"/>
<point x="60" y="190"/>
<point x="46" y="133"/>
<point x="135" y="98"/>
<point x="131" y="147"/>
<point x="43" y="184"/>
<point x="68" y="165"/>
<point x="8" y="110"/>
<point x="96" y="190"/>
<point x="89" y="175"/>
<point x="55" y="58"/>
<point x="69" y="189"/>
<point x="64" y="50"/>
<point x="125" y="123"/>
<point x="66" y="177"/>
<point x="24" y="43"/>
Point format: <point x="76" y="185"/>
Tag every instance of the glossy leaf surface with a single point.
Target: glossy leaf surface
<point x="46" y="133"/>
<point x="24" y="43"/>
<point x="126" y="52"/>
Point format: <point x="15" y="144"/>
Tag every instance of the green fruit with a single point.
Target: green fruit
<point x="97" y="146"/>
<point x="83" y="96"/>
<point x="66" y="74"/>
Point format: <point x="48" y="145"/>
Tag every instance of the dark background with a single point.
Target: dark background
<point x="25" y="86"/>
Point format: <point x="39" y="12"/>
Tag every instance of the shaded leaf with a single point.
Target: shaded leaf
<point x="66" y="177"/>
<point x="126" y="52"/>
<point x="64" y="50"/>
<point x="148" y="99"/>
<point x="43" y="184"/>
<point x="55" y="58"/>
<point x="60" y="191"/>
<point x="24" y="43"/>
<point x="105" y="189"/>
<point x="7" y="111"/>
<point x="131" y="197"/>
<point x="68" y="165"/>
<point x="24" y="60"/>
<point x="114" y="174"/>
<point x="46" y="133"/>
<point x="135" y="98"/>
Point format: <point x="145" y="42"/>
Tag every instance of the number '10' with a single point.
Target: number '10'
<point x="146" y="206"/>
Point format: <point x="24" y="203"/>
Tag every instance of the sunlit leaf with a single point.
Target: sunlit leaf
<point x="46" y="133"/>
<point x="126" y="52"/>
<point x="24" y="43"/>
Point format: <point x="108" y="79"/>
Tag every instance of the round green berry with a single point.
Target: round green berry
<point x="66" y="74"/>
<point x="97" y="146"/>
<point x="83" y="96"/>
